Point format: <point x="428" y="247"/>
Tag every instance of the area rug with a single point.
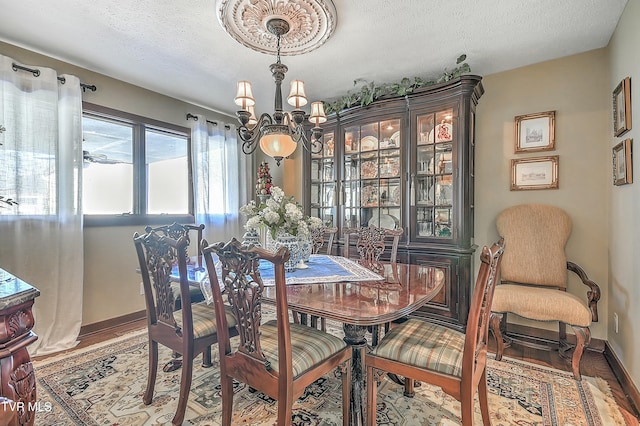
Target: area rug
<point x="103" y="385"/>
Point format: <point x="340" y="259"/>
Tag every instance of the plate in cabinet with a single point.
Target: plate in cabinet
<point x="369" y="196"/>
<point x="443" y="133"/>
<point x="369" y="143"/>
<point x="369" y="169"/>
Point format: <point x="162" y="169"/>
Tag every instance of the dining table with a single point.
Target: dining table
<point x="341" y="289"/>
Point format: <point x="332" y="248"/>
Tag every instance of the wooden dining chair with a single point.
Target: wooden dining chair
<point x="371" y="245"/>
<point x="175" y="231"/>
<point x="431" y="353"/>
<point x="278" y="358"/>
<point x="188" y="331"/>
<point x="318" y="239"/>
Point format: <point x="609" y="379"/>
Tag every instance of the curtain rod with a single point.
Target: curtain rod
<point x="215" y="123"/>
<point x="36" y="73"/>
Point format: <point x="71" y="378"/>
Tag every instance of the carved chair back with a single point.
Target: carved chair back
<point x="477" y="331"/>
<point x="371" y="243"/>
<point x="157" y="255"/>
<point x="243" y="288"/>
<point x="177" y="230"/>
<point x="318" y="239"/>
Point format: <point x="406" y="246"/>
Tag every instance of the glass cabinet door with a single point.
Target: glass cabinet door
<point x="372" y="169"/>
<point x="323" y="181"/>
<point x="432" y="176"/>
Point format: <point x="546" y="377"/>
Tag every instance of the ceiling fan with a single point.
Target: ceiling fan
<point x="98" y="158"/>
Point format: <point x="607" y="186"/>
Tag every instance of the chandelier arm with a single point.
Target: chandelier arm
<point x="249" y="136"/>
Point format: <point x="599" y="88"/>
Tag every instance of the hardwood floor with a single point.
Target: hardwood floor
<point x="593" y="362"/>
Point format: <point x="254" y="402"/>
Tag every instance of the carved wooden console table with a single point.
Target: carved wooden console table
<point x="17" y="378"/>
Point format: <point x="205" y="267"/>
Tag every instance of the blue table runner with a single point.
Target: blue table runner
<point x="321" y="269"/>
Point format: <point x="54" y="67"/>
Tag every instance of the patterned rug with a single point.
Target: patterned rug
<point x="103" y="385"/>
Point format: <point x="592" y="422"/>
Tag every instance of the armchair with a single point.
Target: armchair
<point x="534" y="279"/>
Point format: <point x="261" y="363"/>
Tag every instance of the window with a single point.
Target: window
<point x="135" y="170"/>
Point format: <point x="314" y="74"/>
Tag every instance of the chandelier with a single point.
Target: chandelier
<point x="279" y="134"/>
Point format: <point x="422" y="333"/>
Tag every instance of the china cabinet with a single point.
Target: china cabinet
<point x="407" y="162"/>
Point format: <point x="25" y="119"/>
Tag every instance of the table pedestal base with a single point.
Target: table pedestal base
<point x="354" y="336"/>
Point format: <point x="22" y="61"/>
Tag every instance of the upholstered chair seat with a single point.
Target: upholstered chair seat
<point x="441" y="348"/>
<point x="194" y="292"/>
<point x="308" y="346"/>
<point x="534" y="303"/>
<point x="204" y="319"/>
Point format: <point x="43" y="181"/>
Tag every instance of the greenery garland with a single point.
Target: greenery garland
<point x="370" y="91"/>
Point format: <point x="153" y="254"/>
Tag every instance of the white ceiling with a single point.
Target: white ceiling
<point x="178" y="48"/>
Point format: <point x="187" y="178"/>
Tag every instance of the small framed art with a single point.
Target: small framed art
<point x="535" y="132"/>
<point x="534" y="173"/>
<point x="622" y="163"/>
<point x="622" y="107"/>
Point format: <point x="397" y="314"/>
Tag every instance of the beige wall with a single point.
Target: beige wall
<point x="623" y="230"/>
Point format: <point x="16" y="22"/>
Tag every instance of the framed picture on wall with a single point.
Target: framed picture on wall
<point x="622" y="107"/>
<point x="622" y="163"/>
<point x="534" y="173"/>
<point x="535" y="132"/>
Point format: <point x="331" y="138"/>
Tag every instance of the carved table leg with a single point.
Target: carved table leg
<point x="354" y="336"/>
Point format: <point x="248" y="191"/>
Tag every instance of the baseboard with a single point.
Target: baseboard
<point x="112" y="322"/>
<point x="633" y="395"/>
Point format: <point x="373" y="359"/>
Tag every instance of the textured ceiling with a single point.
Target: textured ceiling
<point x="179" y="48"/>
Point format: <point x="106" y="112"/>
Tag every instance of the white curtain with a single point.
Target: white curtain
<point x="220" y="179"/>
<point x="40" y="164"/>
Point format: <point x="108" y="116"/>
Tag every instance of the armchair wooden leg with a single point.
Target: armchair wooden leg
<point x="583" y="337"/>
<point x="495" y="324"/>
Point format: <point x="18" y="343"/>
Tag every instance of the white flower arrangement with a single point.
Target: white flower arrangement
<point x="279" y="213"/>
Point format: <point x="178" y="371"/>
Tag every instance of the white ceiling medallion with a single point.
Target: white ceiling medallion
<point x="311" y="23"/>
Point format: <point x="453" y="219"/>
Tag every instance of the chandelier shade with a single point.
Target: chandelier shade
<point x="297" y="98"/>
<point x="277" y="145"/>
<point x="317" y="115"/>
<point x="244" y="95"/>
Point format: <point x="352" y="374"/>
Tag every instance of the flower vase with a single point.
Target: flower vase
<point x="304" y="242"/>
<point x="251" y="237"/>
<point x="262" y="199"/>
<point x="291" y="242"/>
